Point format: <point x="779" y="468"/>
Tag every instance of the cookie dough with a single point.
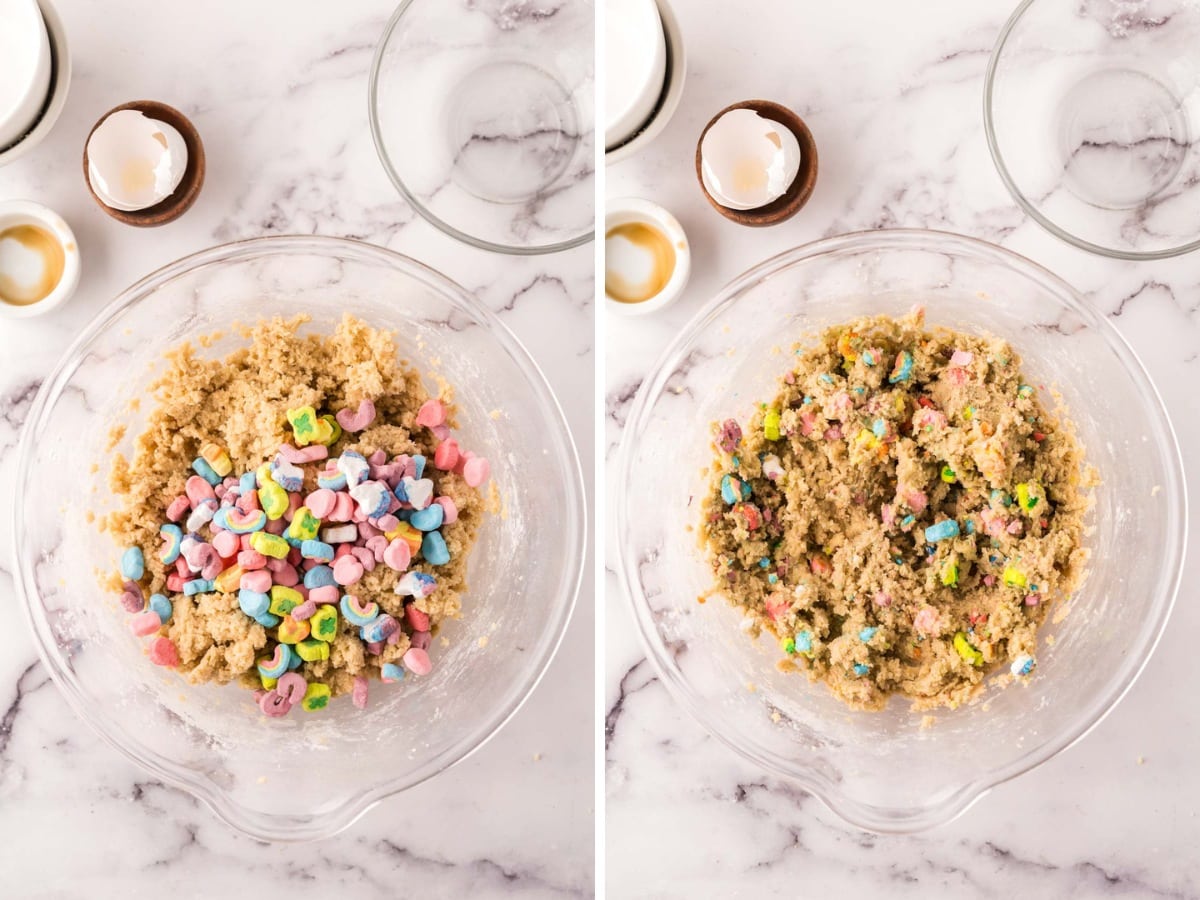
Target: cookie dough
<point x="902" y="515"/>
<point x="240" y="403"/>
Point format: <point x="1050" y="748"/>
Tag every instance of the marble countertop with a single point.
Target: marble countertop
<point x="278" y="91"/>
<point x="893" y="96"/>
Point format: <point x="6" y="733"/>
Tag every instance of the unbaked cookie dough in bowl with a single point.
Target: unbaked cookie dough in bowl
<point x="908" y="765"/>
<point x="311" y="773"/>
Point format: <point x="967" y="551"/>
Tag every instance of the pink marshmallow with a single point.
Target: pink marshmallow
<point x="397" y="555"/>
<point x="274" y="705"/>
<point x="226" y="544"/>
<point x="325" y="594"/>
<point x="463" y="459"/>
<point x="163" y="653"/>
<point x="178" y="508"/>
<point x="343" y="508"/>
<point x="294" y="503"/>
<point x="347" y="570"/>
<point x="133" y="601"/>
<point x="287" y="577"/>
<point x="198" y="489"/>
<point x="145" y="623"/>
<point x="250" y="560"/>
<point x="311" y="453"/>
<point x="417" y="619"/>
<point x="377" y="545"/>
<point x="258" y="581"/>
<point x="386" y="523"/>
<point x="421" y="640"/>
<point x="358" y="693"/>
<point x="321" y="502"/>
<point x="417" y="661"/>
<point x="431" y="414"/>
<point x="445" y="457"/>
<point x="357" y="420"/>
<point x="366" y="557"/>
<point x="449" y="510"/>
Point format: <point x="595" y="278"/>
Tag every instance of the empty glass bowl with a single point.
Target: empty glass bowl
<point x="483" y="115"/>
<point x="308" y="775"/>
<point x="883" y="770"/>
<point x="1089" y="110"/>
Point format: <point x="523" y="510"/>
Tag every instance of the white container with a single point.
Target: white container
<point x="24" y="68"/>
<point x="15" y="213"/>
<point x="49" y="104"/>
<point x="636" y="56"/>
<point x="667" y="101"/>
<point x="634" y="211"/>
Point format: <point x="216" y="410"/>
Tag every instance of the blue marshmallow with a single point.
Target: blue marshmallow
<point x="133" y="564"/>
<point x="433" y="548"/>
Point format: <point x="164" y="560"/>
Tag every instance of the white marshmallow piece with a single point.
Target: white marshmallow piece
<point x="339" y="534"/>
<point x="419" y="491"/>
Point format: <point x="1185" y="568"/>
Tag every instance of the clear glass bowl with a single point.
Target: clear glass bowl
<point x="483" y="116"/>
<point x="1089" y="110"/>
<point x="311" y="775"/>
<point x="881" y="770"/>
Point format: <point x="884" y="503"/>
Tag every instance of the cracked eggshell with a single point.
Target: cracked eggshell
<point x="135" y="162"/>
<point x="748" y="161"/>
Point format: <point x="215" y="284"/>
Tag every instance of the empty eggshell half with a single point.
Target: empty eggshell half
<point x="135" y="162"/>
<point x="748" y="161"/>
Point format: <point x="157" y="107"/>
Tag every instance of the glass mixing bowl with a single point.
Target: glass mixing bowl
<point x="483" y="116"/>
<point x="1089" y="109"/>
<point x="309" y="775"/>
<point x="882" y="770"/>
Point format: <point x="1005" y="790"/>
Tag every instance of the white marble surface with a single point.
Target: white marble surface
<point x="893" y="95"/>
<point x="278" y="91"/>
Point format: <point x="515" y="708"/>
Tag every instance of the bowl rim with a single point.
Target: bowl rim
<point x="428" y="215"/>
<point x="961" y="796"/>
<point x="993" y="143"/>
<point x="255" y="824"/>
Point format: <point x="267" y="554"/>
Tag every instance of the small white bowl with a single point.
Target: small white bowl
<point x="671" y="94"/>
<point x="60" y="82"/>
<point x="630" y="210"/>
<point x="636" y="67"/>
<point x="26" y="212"/>
<point x="25" y="97"/>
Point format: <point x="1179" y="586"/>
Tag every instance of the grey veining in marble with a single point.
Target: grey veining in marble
<point x="278" y="91"/>
<point x="893" y="95"/>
